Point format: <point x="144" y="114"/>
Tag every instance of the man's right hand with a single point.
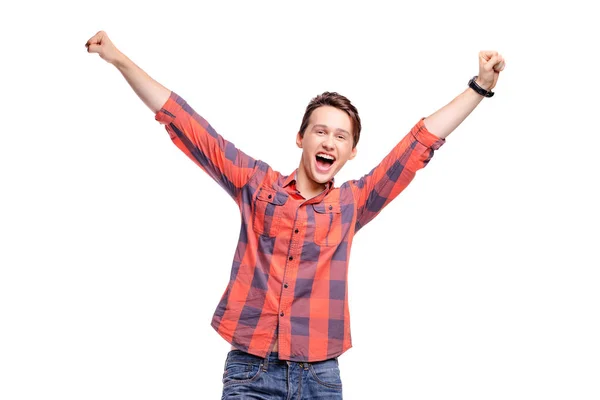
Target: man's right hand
<point x="101" y="44"/>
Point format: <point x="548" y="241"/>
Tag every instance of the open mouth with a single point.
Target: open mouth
<point x="324" y="161"/>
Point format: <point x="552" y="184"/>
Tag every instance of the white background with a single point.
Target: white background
<point x="479" y="282"/>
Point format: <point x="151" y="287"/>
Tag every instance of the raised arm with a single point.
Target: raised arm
<point x="393" y="174"/>
<point x="442" y="122"/>
<point x="191" y="133"/>
<point x="152" y="93"/>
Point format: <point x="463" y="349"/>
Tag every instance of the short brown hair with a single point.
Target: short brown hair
<point x="338" y="101"/>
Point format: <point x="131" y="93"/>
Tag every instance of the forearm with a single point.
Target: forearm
<point x="448" y="118"/>
<point x="152" y="93"/>
<point x="444" y="121"/>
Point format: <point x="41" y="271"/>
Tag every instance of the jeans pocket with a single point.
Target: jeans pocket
<point x="240" y="372"/>
<point x="327" y="373"/>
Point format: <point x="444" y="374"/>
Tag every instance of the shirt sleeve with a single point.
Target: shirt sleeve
<point x="375" y="190"/>
<point x="193" y="135"/>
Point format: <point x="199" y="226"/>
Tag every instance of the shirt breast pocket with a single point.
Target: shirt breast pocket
<point x="328" y="224"/>
<point x="268" y="209"/>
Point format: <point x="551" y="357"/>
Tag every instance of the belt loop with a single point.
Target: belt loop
<point x="265" y="364"/>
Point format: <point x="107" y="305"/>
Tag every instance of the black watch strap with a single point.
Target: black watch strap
<point x="473" y="85"/>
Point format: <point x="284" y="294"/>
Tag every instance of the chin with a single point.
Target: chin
<point x="322" y="178"/>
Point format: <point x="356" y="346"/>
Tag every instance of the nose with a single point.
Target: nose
<point x="328" y="142"/>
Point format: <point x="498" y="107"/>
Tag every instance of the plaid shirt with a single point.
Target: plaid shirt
<point x="289" y="273"/>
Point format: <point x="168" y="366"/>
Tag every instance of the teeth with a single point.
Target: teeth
<point x="327" y="156"/>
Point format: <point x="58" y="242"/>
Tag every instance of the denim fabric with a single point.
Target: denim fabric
<point x="251" y="377"/>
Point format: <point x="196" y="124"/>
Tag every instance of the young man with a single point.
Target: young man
<point x="285" y="309"/>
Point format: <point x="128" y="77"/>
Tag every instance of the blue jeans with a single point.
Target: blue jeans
<point x="251" y="377"/>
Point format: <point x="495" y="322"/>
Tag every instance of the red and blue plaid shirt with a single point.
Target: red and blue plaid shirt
<point x="289" y="274"/>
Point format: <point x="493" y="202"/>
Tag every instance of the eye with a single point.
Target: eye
<point x="321" y="132"/>
<point x="341" y="137"/>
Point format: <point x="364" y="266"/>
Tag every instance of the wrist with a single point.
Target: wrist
<point x="478" y="89"/>
<point x="483" y="84"/>
<point x="120" y="60"/>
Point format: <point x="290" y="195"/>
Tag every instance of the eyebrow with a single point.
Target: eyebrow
<point x="326" y="127"/>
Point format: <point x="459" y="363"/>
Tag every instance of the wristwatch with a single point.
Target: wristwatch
<point x="473" y="85"/>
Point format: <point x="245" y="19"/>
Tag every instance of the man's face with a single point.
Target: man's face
<point x="327" y="143"/>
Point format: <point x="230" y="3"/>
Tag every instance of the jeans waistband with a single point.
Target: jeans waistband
<point x="272" y="358"/>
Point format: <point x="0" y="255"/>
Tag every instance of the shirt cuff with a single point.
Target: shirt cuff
<point x="170" y="109"/>
<point x="426" y="138"/>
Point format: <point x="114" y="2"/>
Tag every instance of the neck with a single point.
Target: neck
<point x="306" y="186"/>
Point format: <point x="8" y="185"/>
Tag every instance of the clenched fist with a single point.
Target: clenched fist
<point x="101" y="44"/>
<point x="490" y="65"/>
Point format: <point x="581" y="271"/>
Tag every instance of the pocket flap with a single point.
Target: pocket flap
<point x="327" y="208"/>
<point x="272" y="196"/>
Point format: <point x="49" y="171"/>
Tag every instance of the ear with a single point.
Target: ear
<point x="299" y="140"/>
<point x="353" y="154"/>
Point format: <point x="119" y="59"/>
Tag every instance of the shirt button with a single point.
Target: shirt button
<point x="285" y="285"/>
<point x="281" y="314"/>
<point x="331" y="207"/>
<point x="270" y="196"/>
<point x="291" y="258"/>
<point x="296" y="231"/>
